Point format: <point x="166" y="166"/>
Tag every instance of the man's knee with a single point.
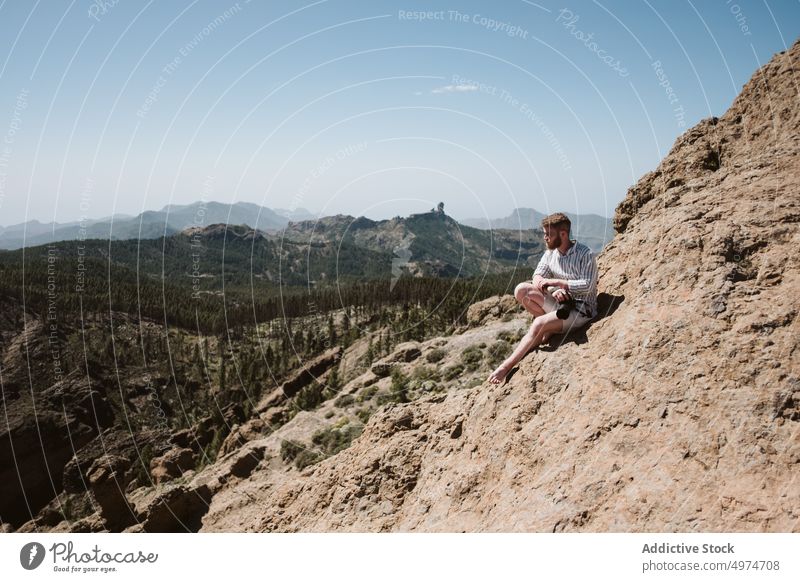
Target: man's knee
<point x="538" y="326"/>
<point x="548" y="323"/>
<point x="525" y="290"/>
<point x="520" y="291"/>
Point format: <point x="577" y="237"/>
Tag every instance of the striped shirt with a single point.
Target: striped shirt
<point x="578" y="267"/>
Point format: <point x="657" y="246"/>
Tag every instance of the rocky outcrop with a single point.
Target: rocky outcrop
<point x="491" y="309"/>
<point x="174" y="508"/>
<point x="172" y="464"/>
<point x="308" y="374"/>
<point x="675" y="410"/>
<point x="108" y="477"/>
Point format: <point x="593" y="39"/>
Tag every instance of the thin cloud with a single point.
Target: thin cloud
<point x="455" y="89"/>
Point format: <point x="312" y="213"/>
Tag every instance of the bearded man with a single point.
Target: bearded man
<point x="566" y="274"/>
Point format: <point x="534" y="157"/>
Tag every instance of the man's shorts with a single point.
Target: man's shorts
<point x="575" y="319"/>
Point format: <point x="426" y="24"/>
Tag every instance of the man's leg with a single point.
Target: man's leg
<point x="530" y="298"/>
<point x="541" y="326"/>
<point x="534" y="302"/>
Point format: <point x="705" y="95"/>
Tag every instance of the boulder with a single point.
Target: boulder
<point x="107" y="479"/>
<point x="381" y="369"/>
<point x="171" y="465"/>
<point x="491" y="309"/>
<point x="405" y="352"/>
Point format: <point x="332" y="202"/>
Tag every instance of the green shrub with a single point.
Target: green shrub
<point x="471" y="354"/>
<point x="363" y="414"/>
<point x="367" y="393"/>
<point x="423" y="373"/>
<point x="332" y="440"/>
<point x="141" y="466"/>
<point x="300" y="454"/>
<point x="326" y="442"/>
<point x="474" y="382"/>
<point x="453" y="372"/>
<point x="306" y="458"/>
<point x="471" y="357"/>
<point x="399" y="390"/>
<point x="309" y="397"/>
<point x="428" y="386"/>
<point x="497" y="352"/>
<point x="212" y="449"/>
<point x="77" y="506"/>
<point x="511" y="336"/>
<point x="435" y="355"/>
<point x="290" y="450"/>
<point x="344" y="400"/>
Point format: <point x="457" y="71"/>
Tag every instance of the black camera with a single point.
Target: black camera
<point x="566" y="306"/>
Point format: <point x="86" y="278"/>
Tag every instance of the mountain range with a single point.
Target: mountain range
<point x="150" y="224"/>
<point x="591" y="229"/>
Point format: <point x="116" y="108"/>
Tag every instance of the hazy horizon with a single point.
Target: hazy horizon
<point x="310" y="211"/>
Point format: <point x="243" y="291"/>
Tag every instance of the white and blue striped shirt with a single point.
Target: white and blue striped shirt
<point x="578" y="267"/>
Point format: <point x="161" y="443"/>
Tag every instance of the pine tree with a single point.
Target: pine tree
<point x="333" y="384"/>
<point x="331" y="330"/>
<point x="346" y="320"/>
<point x="222" y="374"/>
<point x="370" y="356"/>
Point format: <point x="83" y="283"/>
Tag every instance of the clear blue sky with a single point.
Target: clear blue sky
<point x="363" y="108"/>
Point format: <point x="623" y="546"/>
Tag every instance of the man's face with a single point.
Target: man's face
<point x="552" y="237"/>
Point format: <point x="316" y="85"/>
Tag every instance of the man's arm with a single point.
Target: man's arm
<point x="541" y="273"/>
<point x="587" y="270"/>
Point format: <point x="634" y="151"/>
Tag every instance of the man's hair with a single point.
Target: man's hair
<point x="558" y="220"/>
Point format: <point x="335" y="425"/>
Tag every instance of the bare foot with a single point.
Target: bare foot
<point x="499" y="374"/>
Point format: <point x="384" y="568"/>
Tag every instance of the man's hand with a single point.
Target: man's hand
<point x="542" y="283"/>
<point x="560" y="295"/>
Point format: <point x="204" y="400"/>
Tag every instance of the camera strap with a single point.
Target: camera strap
<point x="580" y="308"/>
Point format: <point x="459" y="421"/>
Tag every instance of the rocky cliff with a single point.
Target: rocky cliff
<point x="676" y="410"/>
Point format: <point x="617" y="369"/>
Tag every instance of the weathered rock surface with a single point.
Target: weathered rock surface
<point x="491" y="309"/>
<point x="675" y="410"/>
<point x="108" y="478"/>
<point x="172" y="464"/>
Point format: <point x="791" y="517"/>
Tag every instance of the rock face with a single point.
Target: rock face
<point x="491" y="309"/>
<point x="675" y="410"/>
<point x="171" y="465"/>
<point x="38" y="437"/>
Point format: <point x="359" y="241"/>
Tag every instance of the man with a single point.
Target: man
<point x="567" y="269"/>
